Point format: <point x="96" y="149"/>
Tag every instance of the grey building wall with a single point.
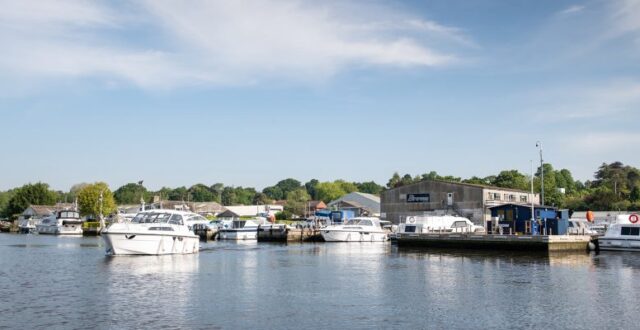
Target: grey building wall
<point x="467" y="200"/>
<point x="471" y="201"/>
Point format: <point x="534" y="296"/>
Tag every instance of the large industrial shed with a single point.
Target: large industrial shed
<point x="430" y="197"/>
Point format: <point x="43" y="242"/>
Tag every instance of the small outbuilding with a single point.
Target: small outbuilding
<point x="359" y="203"/>
<point x="516" y="218"/>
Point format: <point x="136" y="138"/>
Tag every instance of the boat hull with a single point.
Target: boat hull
<point x="617" y="244"/>
<point x="353" y="236"/>
<point x="59" y="230"/>
<point x="149" y="244"/>
<point x="238" y="234"/>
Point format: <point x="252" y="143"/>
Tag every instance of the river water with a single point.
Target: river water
<point x="68" y="283"/>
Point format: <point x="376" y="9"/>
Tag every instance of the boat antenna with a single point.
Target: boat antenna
<point x="102" y="224"/>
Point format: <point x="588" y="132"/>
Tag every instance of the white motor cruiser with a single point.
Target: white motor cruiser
<point x="439" y="224"/>
<point x="623" y="235"/>
<point x="66" y="222"/>
<point x="153" y="232"/>
<point x="580" y="227"/>
<point x="361" y="229"/>
<point x="240" y="229"/>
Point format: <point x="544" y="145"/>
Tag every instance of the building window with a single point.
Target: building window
<point x="490" y="196"/>
<point x="496" y="196"/>
<point x="523" y="198"/>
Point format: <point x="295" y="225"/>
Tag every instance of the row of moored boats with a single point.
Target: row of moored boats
<point x="159" y="232"/>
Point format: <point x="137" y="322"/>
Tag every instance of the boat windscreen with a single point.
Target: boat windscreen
<point x="365" y="223"/>
<point x="197" y="218"/>
<point x="151" y="218"/>
<point x="176" y="219"/>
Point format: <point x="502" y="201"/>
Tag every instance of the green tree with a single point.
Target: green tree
<point x="480" y="181"/>
<point x="261" y="199"/>
<point x="282" y="188"/>
<point x="329" y="191"/>
<point x="75" y="189"/>
<point x="296" y="201"/>
<point x="228" y="196"/>
<point x="130" y="193"/>
<point x="216" y="190"/>
<point x="288" y="185"/>
<point x="347" y="187"/>
<point x="30" y="194"/>
<point x="565" y="180"/>
<point x="244" y="196"/>
<point x="512" y="179"/>
<point x="273" y="192"/>
<point x="394" y="181"/>
<point x="164" y="193"/>
<point x="634" y="196"/>
<point x="5" y="197"/>
<point x="311" y="188"/>
<point x="200" y="193"/>
<point x="178" y="194"/>
<point x="369" y="187"/>
<point x="89" y="200"/>
<point x="406" y="180"/>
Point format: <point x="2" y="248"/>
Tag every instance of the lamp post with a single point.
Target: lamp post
<point x="539" y="146"/>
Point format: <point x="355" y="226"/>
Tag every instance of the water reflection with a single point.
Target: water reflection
<point x="141" y="288"/>
<point x="351" y="285"/>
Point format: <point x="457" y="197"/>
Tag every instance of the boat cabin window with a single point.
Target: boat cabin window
<point x="630" y="231"/>
<point x="410" y="229"/>
<point x="68" y="214"/>
<point x="198" y="218"/>
<point x="163" y="218"/>
<point x="365" y="223"/>
<point x="459" y="224"/>
<point x="151" y="218"/>
<point x="175" y="219"/>
<point x="351" y="222"/>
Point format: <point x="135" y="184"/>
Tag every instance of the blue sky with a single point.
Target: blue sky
<point x="251" y="92"/>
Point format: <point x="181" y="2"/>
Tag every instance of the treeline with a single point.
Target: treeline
<point x="615" y="186"/>
<point x="293" y="192"/>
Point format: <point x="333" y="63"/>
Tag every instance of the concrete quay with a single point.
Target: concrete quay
<point x="496" y="242"/>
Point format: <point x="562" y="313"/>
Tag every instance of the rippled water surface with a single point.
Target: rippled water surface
<point x="68" y="282"/>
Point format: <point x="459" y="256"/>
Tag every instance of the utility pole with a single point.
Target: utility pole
<point x="533" y="216"/>
<point x="539" y="145"/>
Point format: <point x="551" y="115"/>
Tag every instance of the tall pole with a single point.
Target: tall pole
<point x="539" y="145"/>
<point x="532" y="195"/>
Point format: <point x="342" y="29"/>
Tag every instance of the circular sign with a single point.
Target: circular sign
<point x="634" y="218"/>
<point x="411" y="220"/>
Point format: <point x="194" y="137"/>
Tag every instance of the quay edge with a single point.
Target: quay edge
<point x="496" y="242"/>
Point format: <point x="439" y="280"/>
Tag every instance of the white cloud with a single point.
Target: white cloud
<point x="624" y="17"/>
<point x="571" y="10"/>
<point x="214" y="42"/>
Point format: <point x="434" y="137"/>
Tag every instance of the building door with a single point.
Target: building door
<point x="449" y="199"/>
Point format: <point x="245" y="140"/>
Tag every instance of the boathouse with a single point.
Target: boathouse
<point x="516" y="218"/>
<point x="429" y="197"/>
<point x="359" y="203"/>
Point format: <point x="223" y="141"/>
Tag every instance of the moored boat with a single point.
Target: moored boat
<point x="153" y="232"/>
<point x="439" y="224"/>
<point x="623" y="235"/>
<point x="65" y="222"/>
<point x="240" y="229"/>
<point x="361" y="229"/>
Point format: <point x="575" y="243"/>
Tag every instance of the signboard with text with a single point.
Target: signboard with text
<point x="418" y="198"/>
